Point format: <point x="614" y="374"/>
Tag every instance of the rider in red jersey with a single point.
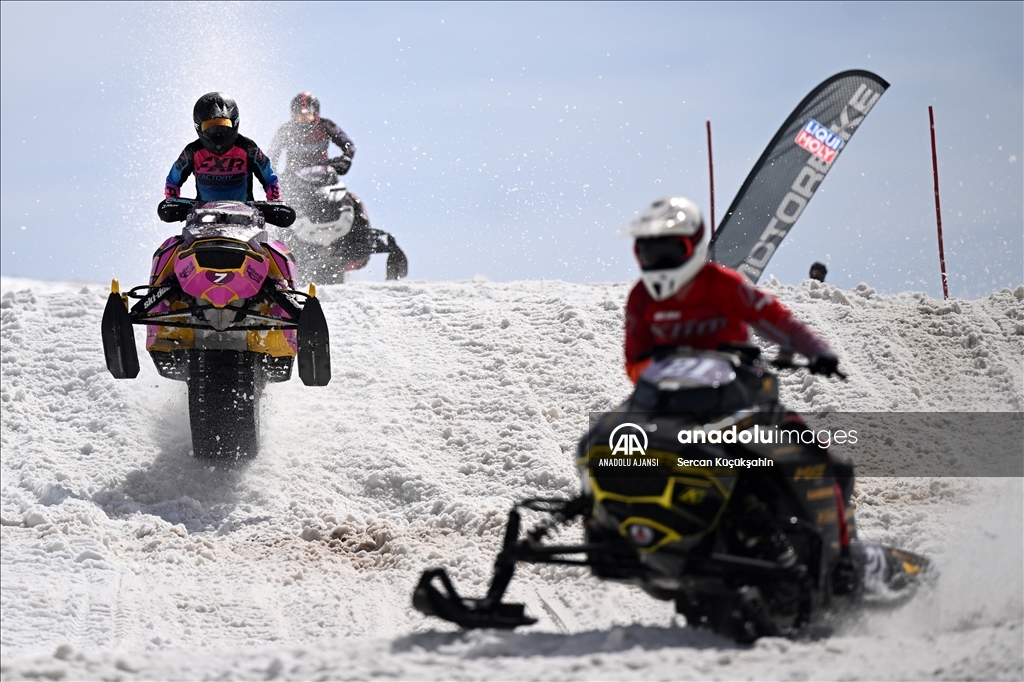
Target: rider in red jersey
<point x="683" y="300"/>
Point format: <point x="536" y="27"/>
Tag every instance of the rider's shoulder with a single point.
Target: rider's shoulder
<point x="247" y="144"/>
<point x="191" y="148"/>
<point x="639" y="295"/>
<point x="720" y="273"/>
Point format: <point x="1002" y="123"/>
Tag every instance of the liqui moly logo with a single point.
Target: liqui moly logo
<point x="819" y="140"/>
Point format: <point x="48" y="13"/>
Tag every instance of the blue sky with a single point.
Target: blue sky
<point x="514" y="140"/>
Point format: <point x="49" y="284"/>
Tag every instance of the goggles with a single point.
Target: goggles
<point x="213" y="122"/>
<point x="664" y="253"/>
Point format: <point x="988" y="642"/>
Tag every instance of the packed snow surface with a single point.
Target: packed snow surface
<point x="123" y="557"/>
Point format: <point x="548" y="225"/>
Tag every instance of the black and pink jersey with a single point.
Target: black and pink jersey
<point x="223" y="177"/>
<point x="306" y="142"/>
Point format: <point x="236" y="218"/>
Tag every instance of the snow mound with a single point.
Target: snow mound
<point x="124" y="557"/>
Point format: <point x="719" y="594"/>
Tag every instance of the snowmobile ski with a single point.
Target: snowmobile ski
<point x="314" y="348"/>
<point x="466" y="613"/>
<point x="398" y="263"/>
<point x="118" y="337"/>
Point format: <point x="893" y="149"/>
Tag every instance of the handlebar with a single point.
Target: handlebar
<point x="275" y="212"/>
<point x="176" y="209"/>
<point x="340" y="164"/>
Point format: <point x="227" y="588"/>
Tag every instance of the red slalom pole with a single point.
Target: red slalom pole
<point x="938" y="211"/>
<point x="711" y="178"/>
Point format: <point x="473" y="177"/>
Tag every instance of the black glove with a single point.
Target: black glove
<point x="826" y="364"/>
<point x="341" y="164"/>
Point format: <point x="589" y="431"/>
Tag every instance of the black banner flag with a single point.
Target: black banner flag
<point x="790" y="170"/>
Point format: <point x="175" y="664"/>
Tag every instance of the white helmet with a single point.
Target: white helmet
<point x="671" y="245"/>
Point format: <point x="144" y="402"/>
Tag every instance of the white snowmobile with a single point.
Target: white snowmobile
<point x="332" y="233"/>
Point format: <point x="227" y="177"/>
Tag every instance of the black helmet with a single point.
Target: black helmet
<point x="305" y="107"/>
<point x="216" y="118"/>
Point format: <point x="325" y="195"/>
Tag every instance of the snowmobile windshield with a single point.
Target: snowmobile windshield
<point x="664" y="253"/>
<point x="700" y="385"/>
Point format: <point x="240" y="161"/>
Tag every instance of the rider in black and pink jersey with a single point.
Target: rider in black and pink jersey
<point x="222" y="161"/>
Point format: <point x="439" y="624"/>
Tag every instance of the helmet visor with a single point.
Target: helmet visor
<point x="664" y="253"/>
<point x="213" y="122"/>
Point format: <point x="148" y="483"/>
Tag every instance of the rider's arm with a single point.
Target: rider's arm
<point x="277" y="144"/>
<point x="180" y="171"/>
<point x="261" y="167"/>
<point x="769" y="318"/>
<point x="639" y="346"/>
<point x="338" y="137"/>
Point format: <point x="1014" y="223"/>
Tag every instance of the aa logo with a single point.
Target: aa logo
<point x="632" y="441"/>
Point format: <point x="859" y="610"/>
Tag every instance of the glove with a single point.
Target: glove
<point x="826" y="364"/>
<point x="341" y="164"/>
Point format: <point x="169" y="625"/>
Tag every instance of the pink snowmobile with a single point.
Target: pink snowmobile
<point x="222" y="314"/>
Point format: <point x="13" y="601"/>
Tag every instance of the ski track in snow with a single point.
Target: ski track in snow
<point x="123" y="557"/>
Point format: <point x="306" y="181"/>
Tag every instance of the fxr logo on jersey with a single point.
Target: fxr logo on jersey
<point x="221" y="164"/>
<point x="819" y="140"/>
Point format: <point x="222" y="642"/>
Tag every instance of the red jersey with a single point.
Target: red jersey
<point x="718" y="306"/>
